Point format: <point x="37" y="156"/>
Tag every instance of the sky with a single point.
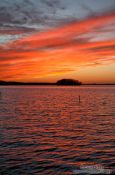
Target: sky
<point x="47" y="40"/>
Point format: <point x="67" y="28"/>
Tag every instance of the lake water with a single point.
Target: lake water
<point x="45" y="130"/>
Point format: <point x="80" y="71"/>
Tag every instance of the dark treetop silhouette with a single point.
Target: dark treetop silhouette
<point x="68" y="82"/>
<point x="62" y="82"/>
<point x="59" y="82"/>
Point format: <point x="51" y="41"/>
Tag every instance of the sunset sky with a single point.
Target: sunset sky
<point x="46" y="40"/>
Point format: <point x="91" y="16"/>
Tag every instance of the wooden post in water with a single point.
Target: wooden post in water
<point x="79" y="99"/>
<point x="0" y="95"/>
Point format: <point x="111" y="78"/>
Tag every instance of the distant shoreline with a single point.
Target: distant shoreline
<point x="3" y="83"/>
<point x="24" y="84"/>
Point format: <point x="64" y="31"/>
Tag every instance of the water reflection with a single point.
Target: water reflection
<point x="45" y="130"/>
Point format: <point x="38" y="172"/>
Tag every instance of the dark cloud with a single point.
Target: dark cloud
<point x="48" y="13"/>
<point x="102" y="48"/>
<point x="39" y="37"/>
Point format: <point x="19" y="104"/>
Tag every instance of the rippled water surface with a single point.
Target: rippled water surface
<point x="46" y="130"/>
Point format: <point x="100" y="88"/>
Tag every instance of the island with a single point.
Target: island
<point x="68" y="82"/>
<point x="62" y="82"/>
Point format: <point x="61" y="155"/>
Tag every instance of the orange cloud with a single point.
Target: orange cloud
<point x="59" y="51"/>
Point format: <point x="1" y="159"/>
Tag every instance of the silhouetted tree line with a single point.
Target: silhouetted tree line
<point x="68" y="82"/>
<point x="59" y="82"/>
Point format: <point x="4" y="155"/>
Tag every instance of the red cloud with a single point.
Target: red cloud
<point x="41" y="54"/>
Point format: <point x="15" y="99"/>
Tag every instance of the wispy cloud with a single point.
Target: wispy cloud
<point x="62" y="50"/>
